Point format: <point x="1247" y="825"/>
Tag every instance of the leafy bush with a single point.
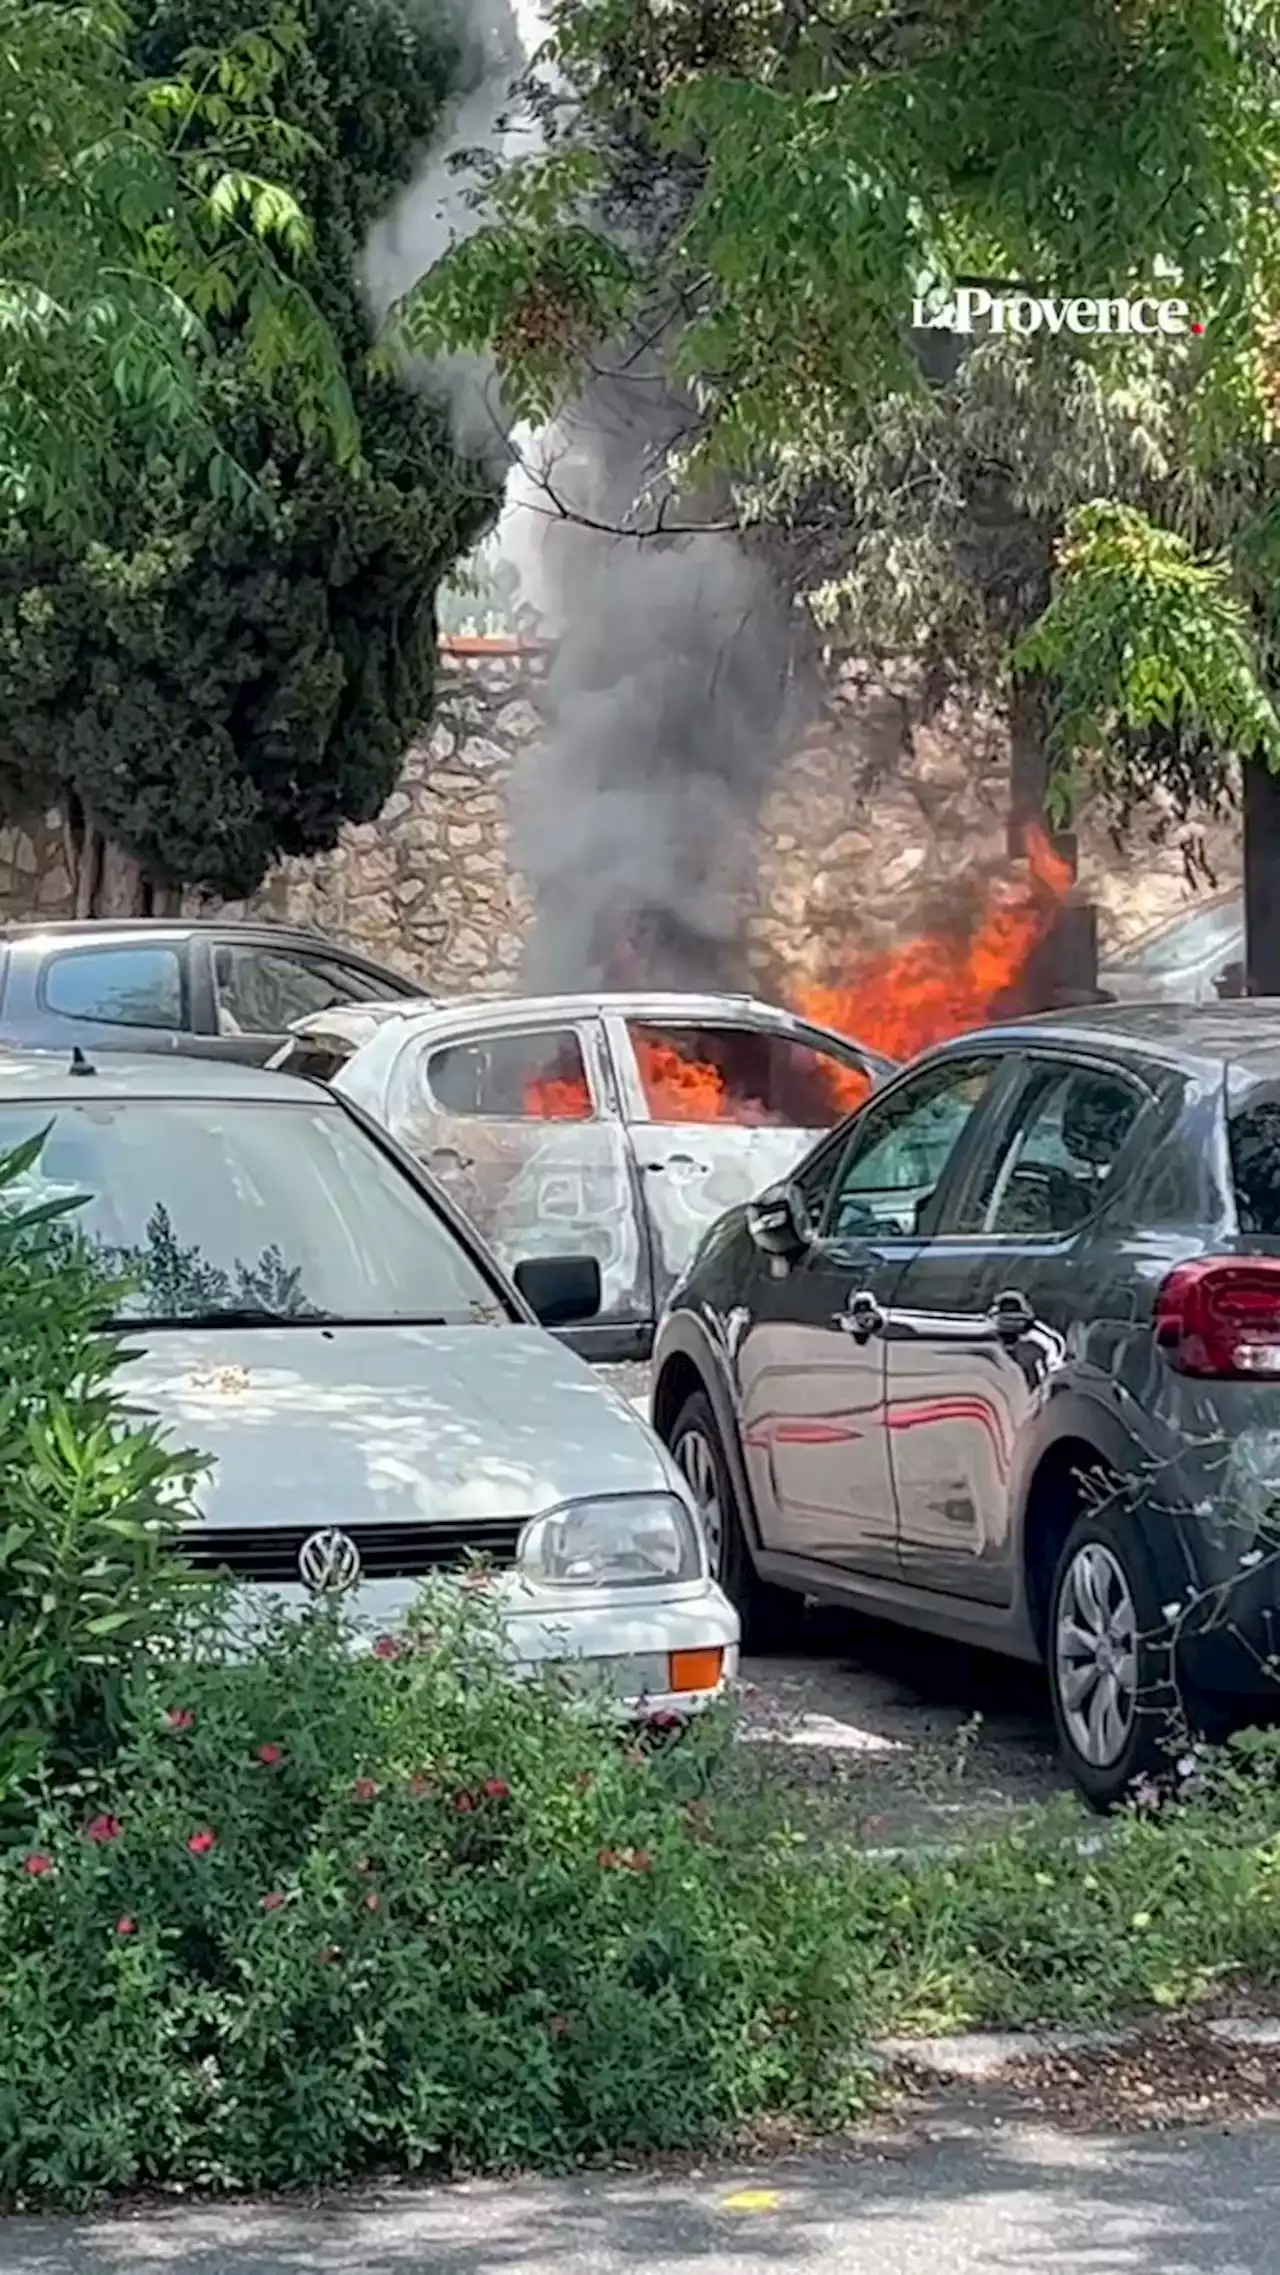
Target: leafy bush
<point x="334" y="1910"/>
<point x="89" y="1499"/>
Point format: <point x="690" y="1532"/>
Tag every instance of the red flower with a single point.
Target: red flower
<point x="497" y="1788"/>
<point x="270" y="1756"/>
<point x="464" y="1803"/>
<point x="365" y="1789"/>
<point x="37" y="1865"/>
<point x="386" y="1647"/>
<point x="609" y="1858"/>
<point x="373" y="1901"/>
<point x="180" y="1718"/>
<point x="559" y="2026"/>
<point x="419" y="1783"/>
<point x="625" y="1859"/>
<point x="639" y="1860"/>
<point x="126" y="1926"/>
<point x="273" y="1899"/>
<point x="103" y="1829"/>
<point x="201" y="1843"/>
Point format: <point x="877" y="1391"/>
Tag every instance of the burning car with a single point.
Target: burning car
<point x="613" y="1126"/>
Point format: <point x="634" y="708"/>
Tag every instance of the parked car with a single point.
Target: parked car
<point x="1001" y="1362"/>
<point x="1192" y="958"/>
<point x="613" y="1126"/>
<point x="150" y="984"/>
<point x="381" y="1403"/>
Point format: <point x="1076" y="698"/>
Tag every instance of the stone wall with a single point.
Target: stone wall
<point x="876" y="822"/>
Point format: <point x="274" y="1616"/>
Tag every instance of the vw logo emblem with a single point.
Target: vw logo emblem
<point x="329" y="1563"/>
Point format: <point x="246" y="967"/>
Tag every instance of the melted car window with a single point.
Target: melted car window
<point x="747" y="1076"/>
<point x="533" y="1077"/>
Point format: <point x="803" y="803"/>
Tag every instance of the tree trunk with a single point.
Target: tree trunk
<point x="1261" y="879"/>
<point x="107" y="881"/>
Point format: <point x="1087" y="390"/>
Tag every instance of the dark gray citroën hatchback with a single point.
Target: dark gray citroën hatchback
<point x="1001" y="1362"/>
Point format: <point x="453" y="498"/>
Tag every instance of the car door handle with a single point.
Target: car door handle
<point x="863" y="1318"/>
<point x="673" y="1161"/>
<point x="1011" y="1315"/>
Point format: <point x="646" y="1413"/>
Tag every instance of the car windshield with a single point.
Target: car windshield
<point x="1209" y="932"/>
<point x="247" y="1211"/>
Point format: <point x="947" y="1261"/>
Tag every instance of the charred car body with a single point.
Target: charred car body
<point x="616" y="1126"/>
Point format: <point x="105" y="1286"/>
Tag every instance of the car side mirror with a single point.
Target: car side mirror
<point x="561" y="1291"/>
<point x="779" y="1222"/>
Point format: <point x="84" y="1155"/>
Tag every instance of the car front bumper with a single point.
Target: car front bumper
<point x="646" y="1650"/>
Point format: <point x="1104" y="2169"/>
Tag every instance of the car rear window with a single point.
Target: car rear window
<point x="1254" y="1137"/>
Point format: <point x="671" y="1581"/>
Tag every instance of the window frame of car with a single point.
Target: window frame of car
<point x="618" y="1026"/>
<point x="1008" y="1124"/>
<point x="47" y="958"/>
<point x="586" y="1030"/>
<point x="370" y="983"/>
<point x="998" y="1060"/>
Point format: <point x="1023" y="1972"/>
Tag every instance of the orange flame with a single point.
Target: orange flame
<point x="934" y="988"/>
<point x="898" y="1004"/>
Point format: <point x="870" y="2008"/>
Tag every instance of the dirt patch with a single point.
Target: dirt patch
<point x="1165" y="2077"/>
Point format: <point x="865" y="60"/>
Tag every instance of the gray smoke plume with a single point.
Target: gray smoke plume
<point x="668" y="687"/>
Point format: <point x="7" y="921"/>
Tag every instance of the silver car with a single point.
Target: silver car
<point x="612" y="1126"/>
<point x="1196" y="957"/>
<point x="381" y="1403"/>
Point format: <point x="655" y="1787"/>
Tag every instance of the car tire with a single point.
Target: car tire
<point x="1109" y="1656"/>
<point x="769" y="1615"/>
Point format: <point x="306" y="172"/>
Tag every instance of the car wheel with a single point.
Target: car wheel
<point x="1109" y="1661"/>
<point x="769" y="1615"/>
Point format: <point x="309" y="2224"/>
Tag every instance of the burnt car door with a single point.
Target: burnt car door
<point x="984" y="1309"/>
<point x="811" y="1359"/>
<point x="521" y="1122"/>
<point x="718" y="1110"/>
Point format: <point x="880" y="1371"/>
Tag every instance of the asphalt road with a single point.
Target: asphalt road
<point x="892" y="1736"/>
<point x="982" y="2200"/>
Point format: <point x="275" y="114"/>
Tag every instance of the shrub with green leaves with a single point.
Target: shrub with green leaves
<point x="90" y="1498"/>
<point x="335" y="1910"/>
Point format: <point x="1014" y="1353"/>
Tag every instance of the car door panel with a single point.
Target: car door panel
<point x="812" y="1365"/>
<point x="811" y="1396"/>
<point x="556" y="1178"/>
<point x="984" y="1318"/>
<point x="731" y="1134"/>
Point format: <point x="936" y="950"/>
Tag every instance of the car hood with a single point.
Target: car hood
<point x="339" y="1425"/>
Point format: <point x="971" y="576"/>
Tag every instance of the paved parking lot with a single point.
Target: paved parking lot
<point x="892" y="1737"/>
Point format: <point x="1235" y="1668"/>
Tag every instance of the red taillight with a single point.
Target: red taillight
<point x="1220" y="1317"/>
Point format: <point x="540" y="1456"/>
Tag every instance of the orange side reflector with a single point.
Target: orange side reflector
<point x="694" y="1670"/>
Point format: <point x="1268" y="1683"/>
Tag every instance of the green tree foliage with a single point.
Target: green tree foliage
<point x="828" y="163"/>
<point x="138" y="208"/>
<point x="218" y="680"/>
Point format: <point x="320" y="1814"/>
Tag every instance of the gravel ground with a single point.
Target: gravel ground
<point x="892" y="1737"/>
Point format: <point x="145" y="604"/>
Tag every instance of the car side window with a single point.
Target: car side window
<point x="749" y="1077"/>
<point x="900" y="1151"/>
<point x="1050" y="1175"/>
<point x="541" y="1076"/>
<point x="262" y="991"/>
<point x="125" y="986"/>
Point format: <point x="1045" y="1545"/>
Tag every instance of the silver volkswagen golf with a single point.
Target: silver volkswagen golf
<point x="381" y="1402"/>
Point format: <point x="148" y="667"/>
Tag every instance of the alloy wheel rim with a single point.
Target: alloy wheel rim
<point x="698" y="1464"/>
<point x="1096" y="1656"/>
